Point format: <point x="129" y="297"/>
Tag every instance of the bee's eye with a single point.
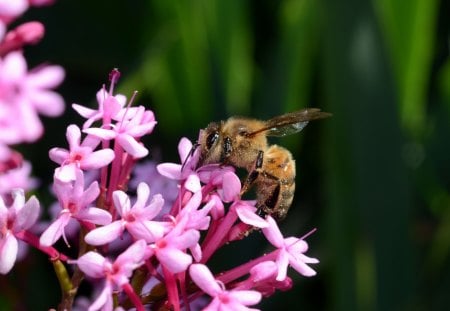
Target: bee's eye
<point x="211" y="139"/>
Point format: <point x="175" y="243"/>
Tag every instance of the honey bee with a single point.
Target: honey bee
<point x="242" y="143"/>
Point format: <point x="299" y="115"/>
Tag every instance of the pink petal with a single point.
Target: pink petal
<point x="55" y="230"/>
<point x="66" y="173"/>
<point x="150" y="231"/>
<point x="143" y="192"/>
<point x="95" y="215"/>
<point x="101" y="133"/>
<point x="247" y="215"/>
<point x="282" y="262"/>
<point x="184" y="148"/>
<point x="263" y="271"/>
<point x="302" y="267"/>
<point x="173" y="259"/>
<point x="105" y="234"/>
<point x="121" y="202"/>
<point x="104" y="300"/>
<point x="187" y="239"/>
<point x="192" y="183"/>
<point x="14" y="66"/>
<point x="8" y="253"/>
<point x="46" y="77"/>
<point x="48" y="103"/>
<point x="90" y="194"/>
<point x="93" y="264"/>
<point x="204" y="279"/>
<point x="231" y="187"/>
<point x="84" y="111"/>
<point x="142" y="129"/>
<point x="130" y="145"/>
<point x="134" y="254"/>
<point x="170" y="170"/>
<point x="58" y="155"/>
<point x="153" y="209"/>
<point x="27" y="215"/>
<point x="73" y="135"/>
<point x="97" y="159"/>
<point x="13" y="8"/>
<point x="31" y="126"/>
<point x="246" y="297"/>
<point x="273" y="233"/>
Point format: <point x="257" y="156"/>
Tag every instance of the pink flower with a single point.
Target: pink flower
<point x="222" y="299"/>
<point x="186" y="171"/>
<point x="74" y="201"/>
<point x="80" y="156"/>
<point x="170" y="250"/>
<point x="290" y="251"/>
<point x="136" y="219"/>
<point x="18" y="177"/>
<point x="116" y="274"/>
<point x="108" y="108"/>
<point x="24" y="95"/>
<point x="18" y="217"/>
<point x="146" y="172"/>
<point x="127" y="131"/>
<point x="263" y="279"/>
<point x="223" y="179"/>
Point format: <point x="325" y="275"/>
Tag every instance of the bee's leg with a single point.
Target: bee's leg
<point x="253" y="175"/>
<point x="267" y="207"/>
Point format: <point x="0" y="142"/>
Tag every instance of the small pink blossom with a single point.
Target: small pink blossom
<point x="170" y="250"/>
<point x="186" y="171"/>
<point x="116" y="274"/>
<point x="79" y="156"/>
<point x="18" y="217"/>
<point x="223" y="179"/>
<point x="127" y="131"/>
<point x="18" y="177"/>
<point x="290" y="251"/>
<point x="23" y="95"/>
<point x="136" y="219"/>
<point x="108" y="108"/>
<point x="74" y="201"/>
<point x="222" y="299"/>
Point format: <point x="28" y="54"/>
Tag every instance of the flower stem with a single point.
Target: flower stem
<point x="33" y="240"/>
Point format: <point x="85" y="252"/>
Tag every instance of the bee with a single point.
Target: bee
<point x="242" y="143"/>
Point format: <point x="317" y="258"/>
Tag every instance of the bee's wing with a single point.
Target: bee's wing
<point x="291" y="123"/>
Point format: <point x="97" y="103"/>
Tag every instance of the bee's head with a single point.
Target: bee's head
<point x="211" y="144"/>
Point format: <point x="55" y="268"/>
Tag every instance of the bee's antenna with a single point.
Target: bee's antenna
<point x="190" y="154"/>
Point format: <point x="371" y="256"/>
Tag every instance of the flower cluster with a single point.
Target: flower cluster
<point x="24" y="94"/>
<point x="146" y="248"/>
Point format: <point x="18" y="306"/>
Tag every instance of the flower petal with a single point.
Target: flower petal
<point x="170" y="170"/>
<point x="55" y="230"/>
<point x="204" y="279"/>
<point x="132" y="146"/>
<point x="97" y="159"/>
<point x="8" y="253"/>
<point x="173" y="259"/>
<point x="273" y="233"/>
<point x="95" y="215"/>
<point x="27" y="215"/>
<point x="93" y="264"/>
<point x="105" y="234"/>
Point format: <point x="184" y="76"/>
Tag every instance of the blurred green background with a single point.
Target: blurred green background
<point x="374" y="179"/>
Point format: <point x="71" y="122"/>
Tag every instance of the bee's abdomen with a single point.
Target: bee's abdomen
<point x="276" y="183"/>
